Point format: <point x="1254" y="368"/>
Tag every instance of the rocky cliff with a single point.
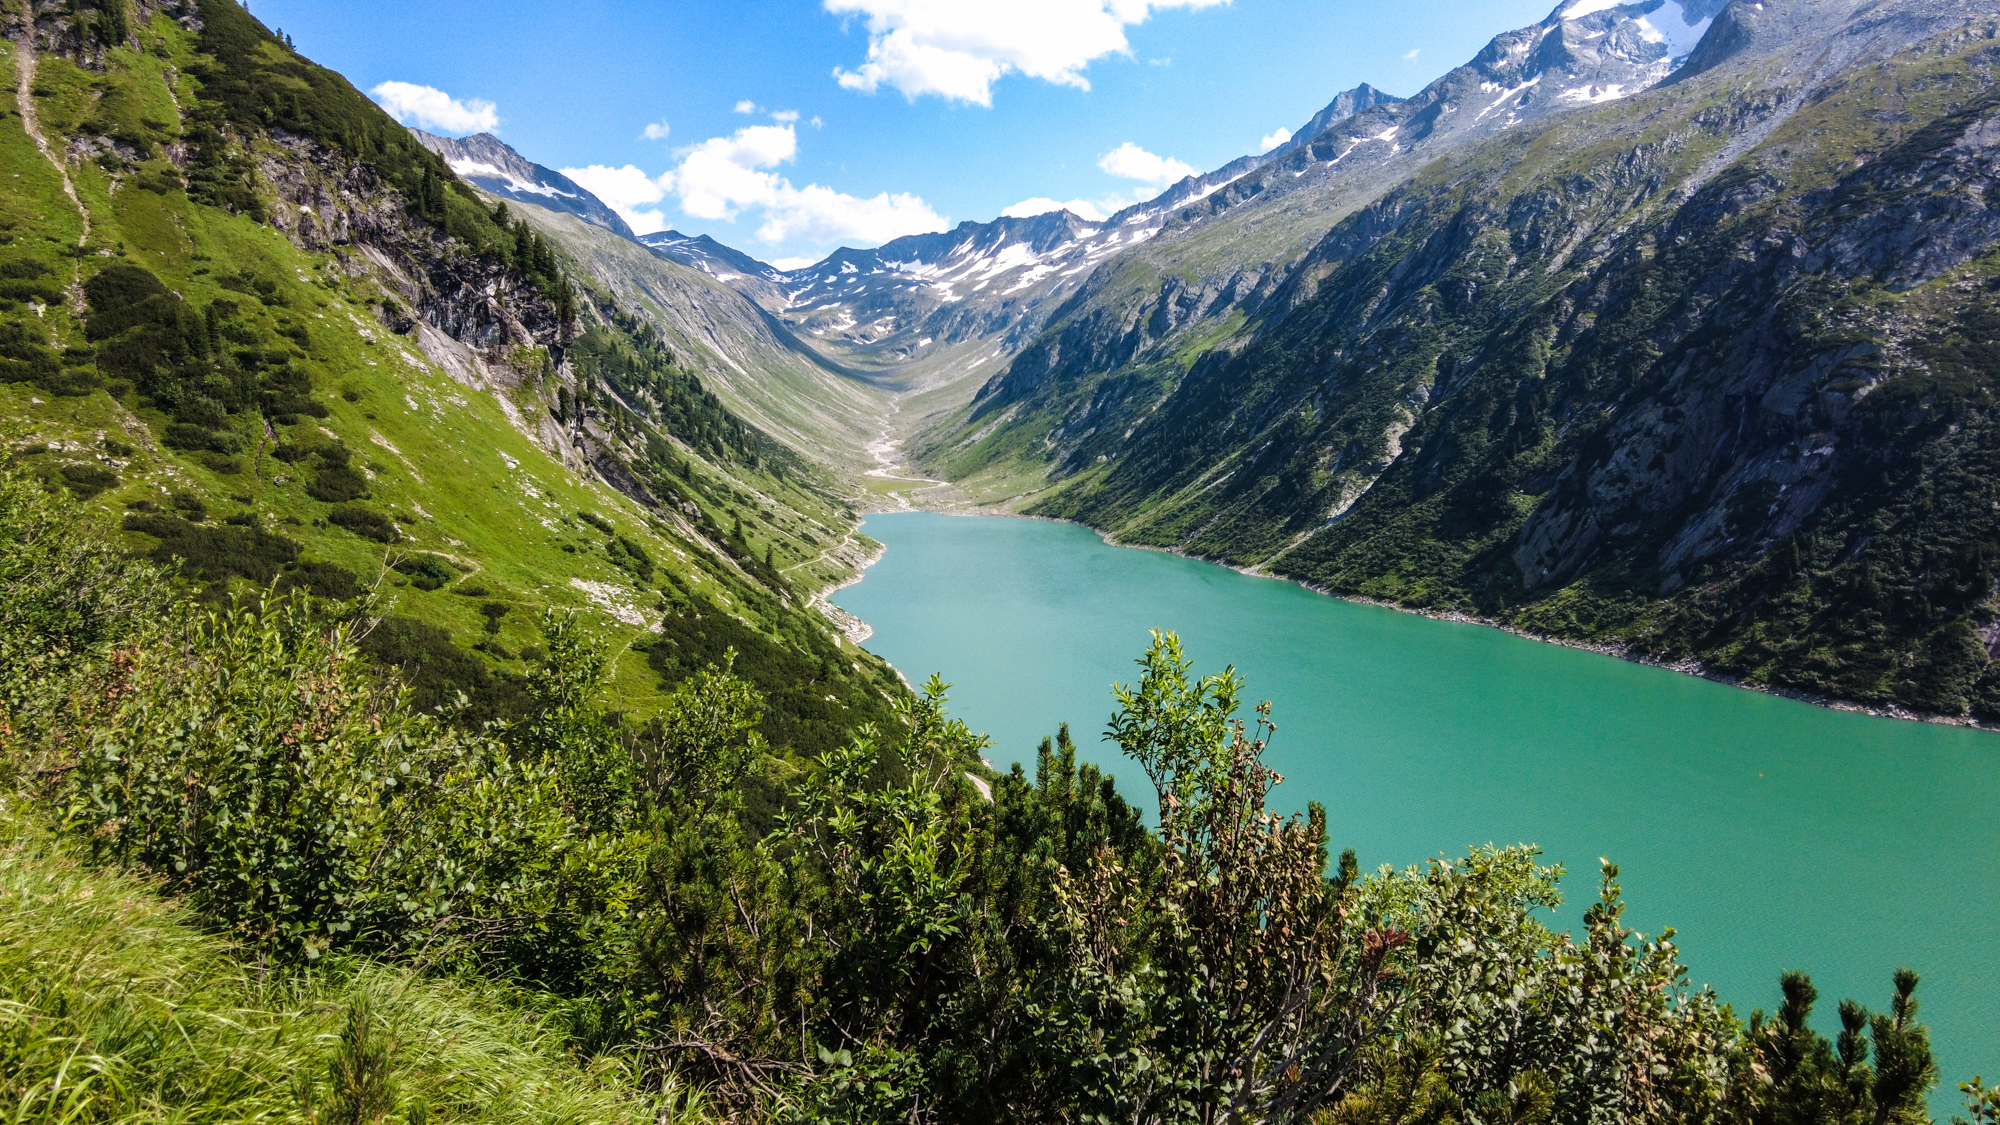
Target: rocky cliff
<point x="1703" y="370"/>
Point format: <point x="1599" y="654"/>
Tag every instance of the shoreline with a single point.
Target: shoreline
<point x="853" y="628"/>
<point x="1688" y="667"/>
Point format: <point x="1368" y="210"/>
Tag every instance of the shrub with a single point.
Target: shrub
<point x="215" y="553"/>
<point x="192" y="438"/>
<point x="321" y="580"/>
<point x="438" y="671"/>
<point x="88" y="481"/>
<point x="365" y="522"/>
<point x="427" y="572"/>
<point x="305" y="806"/>
<point x="337" y="483"/>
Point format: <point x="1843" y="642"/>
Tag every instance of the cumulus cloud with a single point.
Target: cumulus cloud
<point x="1413" y="54"/>
<point x="1274" y="139"/>
<point x="957" y="49"/>
<point x="1042" y="205"/>
<point x="630" y="191"/>
<point x="1130" y="162"/>
<point x="726" y="177"/>
<point x="433" y="109"/>
<point x="787" y="116"/>
<point x="746" y="106"/>
<point x="657" y="131"/>
<point x="1096" y="210"/>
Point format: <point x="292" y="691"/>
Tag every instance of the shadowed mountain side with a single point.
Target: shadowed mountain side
<point x="752" y="364"/>
<point x="492" y="166"/>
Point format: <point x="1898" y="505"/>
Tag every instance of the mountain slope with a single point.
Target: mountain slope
<point x="240" y="306"/>
<point x="753" y="362"/>
<point x="1702" y="370"/>
<point x="1223" y="250"/>
<point x="492" y="166"/>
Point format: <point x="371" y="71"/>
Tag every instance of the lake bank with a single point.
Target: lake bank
<point x="1616" y="650"/>
<point x="1773" y="834"/>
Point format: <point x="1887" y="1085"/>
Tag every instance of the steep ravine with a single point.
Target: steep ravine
<point x="1701" y="376"/>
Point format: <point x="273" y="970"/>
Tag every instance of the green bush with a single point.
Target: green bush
<point x="322" y="811"/>
<point x="215" y="553"/>
<point x="913" y="938"/>
<point x="365" y="522"/>
<point x="321" y="580"/>
<point x="88" y="480"/>
<point x="117" y="1005"/>
<point x="427" y="572"/>
<point x="337" y="483"/>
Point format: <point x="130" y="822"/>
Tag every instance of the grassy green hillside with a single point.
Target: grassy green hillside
<point x="267" y="389"/>
<point x="117" y="1004"/>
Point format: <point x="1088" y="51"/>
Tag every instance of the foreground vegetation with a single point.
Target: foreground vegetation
<point x="271" y="889"/>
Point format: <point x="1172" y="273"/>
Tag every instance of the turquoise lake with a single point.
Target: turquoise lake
<point x="1770" y="833"/>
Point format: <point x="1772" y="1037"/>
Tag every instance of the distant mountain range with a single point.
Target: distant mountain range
<point x="492" y="165"/>
<point x="1620" y="331"/>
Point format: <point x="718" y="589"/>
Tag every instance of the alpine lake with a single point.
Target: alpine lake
<point x="1770" y="834"/>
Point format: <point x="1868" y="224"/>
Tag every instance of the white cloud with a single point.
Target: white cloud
<point x="1130" y="162"/>
<point x="725" y="177"/>
<point x="657" y="131"/>
<point x="1276" y="138"/>
<point x="1042" y="205"/>
<point x="787" y="116"/>
<point x="789" y="264"/>
<point x="1096" y="210"/>
<point x="432" y="108"/>
<point x="629" y="191"/>
<point x="746" y="106"/>
<point x="957" y="49"/>
<point x="1413" y="54"/>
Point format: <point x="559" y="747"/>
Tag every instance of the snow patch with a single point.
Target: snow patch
<point x="1669" y="25"/>
<point x="1595" y="95"/>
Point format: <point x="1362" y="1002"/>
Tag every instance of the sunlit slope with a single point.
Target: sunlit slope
<point x="1705" y="371"/>
<point x="352" y="443"/>
<point x="742" y="354"/>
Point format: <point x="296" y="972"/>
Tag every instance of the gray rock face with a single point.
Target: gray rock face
<point x="493" y="166"/>
<point x="710" y="257"/>
<point x="1704" y="367"/>
<point x="326" y="202"/>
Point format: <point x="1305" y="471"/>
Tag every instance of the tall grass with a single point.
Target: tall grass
<point x="116" y="1005"/>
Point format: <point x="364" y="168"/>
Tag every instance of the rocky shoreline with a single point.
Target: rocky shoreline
<point x="1688" y="667"/>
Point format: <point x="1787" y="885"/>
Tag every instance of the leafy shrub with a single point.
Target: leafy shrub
<point x="67" y="594"/>
<point x="189" y="505"/>
<point x="321" y="580"/>
<point x="324" y="811"/>
<point x="23" y="359"/>
<point x="438" y="671"/>
<point x="215" y="553"/>
<point x="365" y="522"/>
<point x="183" y="436"/>
<point x="630" y="555"/>
<point x="88" y="481"/>
<point x="426" y="571"/>
<point x="337" y="483"/>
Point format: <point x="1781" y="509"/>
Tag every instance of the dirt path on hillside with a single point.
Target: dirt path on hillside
<point x="24" y="100"/>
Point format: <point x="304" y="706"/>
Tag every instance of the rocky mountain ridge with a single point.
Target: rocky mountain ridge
<point x="247" y="317"/>
<point x="492" y="165"/>
<point x="1698" y="370"/>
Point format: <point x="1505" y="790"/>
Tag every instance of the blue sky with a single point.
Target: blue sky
<point x="790" y="127"/>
